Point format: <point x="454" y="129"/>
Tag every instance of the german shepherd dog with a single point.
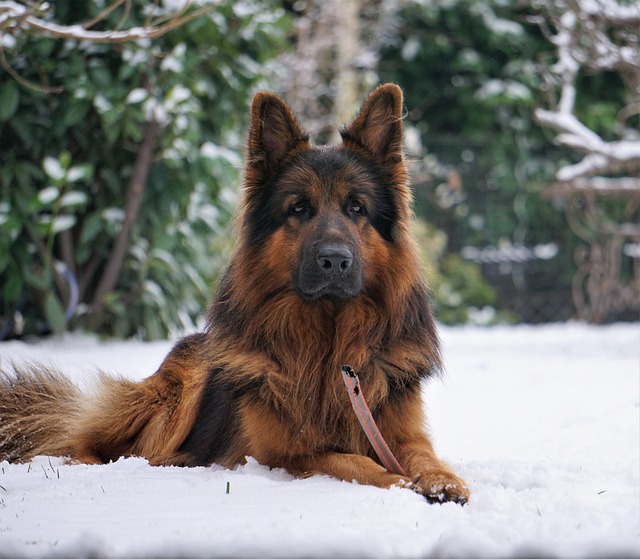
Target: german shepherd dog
<point x="325" y="273"/>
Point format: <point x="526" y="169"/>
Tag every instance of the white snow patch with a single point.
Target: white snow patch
<point x="74" y="198"/>
<point x="213" y="151"/>
<point x="48" y="194"/>
<point x="102" y="104"/>
<point x="509" y="88"/>
<point x="542" y="422"/>
<point x="174" y="61"/>
<point x="113" y="215"/>
<point x="137" y="95"/>
<point x="53" y="168"/>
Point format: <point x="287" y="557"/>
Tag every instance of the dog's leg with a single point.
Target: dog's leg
<point x="430" y="477"/>
<point x="347" y="467"/>
<point x="403" y="427"/>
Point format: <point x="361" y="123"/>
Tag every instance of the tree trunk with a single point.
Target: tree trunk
<point x="135" y="193"/>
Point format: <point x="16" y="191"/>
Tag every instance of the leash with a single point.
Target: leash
<point x="363" y="414"/>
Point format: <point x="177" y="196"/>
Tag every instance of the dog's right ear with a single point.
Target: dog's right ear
<point x="274" y="133"/>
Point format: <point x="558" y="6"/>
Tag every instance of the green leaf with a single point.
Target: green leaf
<point x="4" y="258"/>
<point x="91" y="226"/>
<point x="34" y="280"/>
<point x="54" y="313"/>
<point x="65" y="159"/>
<point x="12" y="289"/>
<point x="9" y="98"/>
<point x="44" y="46"/>
<point x="152" y="326"/>
<point x="76" y="113"/>
<point x="101" y="76"/>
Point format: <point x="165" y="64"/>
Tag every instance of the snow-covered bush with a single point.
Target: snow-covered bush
<point x="119" y="162"/>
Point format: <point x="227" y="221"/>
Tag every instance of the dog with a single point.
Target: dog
<point x="325" y="273"/>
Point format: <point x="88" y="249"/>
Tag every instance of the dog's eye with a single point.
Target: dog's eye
<point x="356" y="208"/>
<point x="299" y="208"/>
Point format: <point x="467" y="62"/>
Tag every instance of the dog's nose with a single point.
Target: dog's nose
<point x="335" y="258"/>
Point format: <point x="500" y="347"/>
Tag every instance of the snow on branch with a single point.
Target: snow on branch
<point x="592" y="36"/>
<point x="612" y="11"/>
<point x="20" y="15"/>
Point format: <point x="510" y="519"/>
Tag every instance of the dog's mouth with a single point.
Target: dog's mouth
<point x="328" y="291"/>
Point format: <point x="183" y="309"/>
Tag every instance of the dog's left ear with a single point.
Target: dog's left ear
<point x="378" y="125"/>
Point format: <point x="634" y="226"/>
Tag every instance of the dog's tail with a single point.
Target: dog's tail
<point x="38" y="406"/>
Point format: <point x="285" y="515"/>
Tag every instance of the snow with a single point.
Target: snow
<point x="213" y="151"/>
<point x="113" y="215"/>
<point x="507" y="252"/>
<point x="586" y="43"/>
<point x="53" y="168"/>
<point x="174" y="61"/>
<point x="494" y="23"/>
<point x="49" y="193"/>
<point x="154" y="110"/>
<point x="509" y="88"/>
<point x="137" y="95"/>
<point x="102" y="104"/>
<point x="543" y="422"/>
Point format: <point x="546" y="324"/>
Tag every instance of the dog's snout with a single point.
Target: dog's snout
<point x="335" y="258"/>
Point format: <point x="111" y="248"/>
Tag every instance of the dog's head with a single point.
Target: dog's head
<point x="324" y="220"/>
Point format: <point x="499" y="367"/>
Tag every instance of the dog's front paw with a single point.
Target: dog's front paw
<point x="441" y="486"/>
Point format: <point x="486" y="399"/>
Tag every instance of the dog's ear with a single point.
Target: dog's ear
<point x="273" y="134"/>
<point x="378" y="125"/>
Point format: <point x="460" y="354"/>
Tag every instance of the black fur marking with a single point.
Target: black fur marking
<point x="216" y="426"/>
<point x="266" y="215"/>
<point x="186" y="346"/>
<point x="399" y="388"/>
<point x="419" y="327"/>
<point x="384" y="215"/>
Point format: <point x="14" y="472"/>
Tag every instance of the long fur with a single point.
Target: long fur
<point x="263" y="379"/>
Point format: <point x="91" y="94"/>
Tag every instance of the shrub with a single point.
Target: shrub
<point x="73" y="166"/>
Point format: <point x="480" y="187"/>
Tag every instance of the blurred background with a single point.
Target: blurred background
<point x="121" y="144"/>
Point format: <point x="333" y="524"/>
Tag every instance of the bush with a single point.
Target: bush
<point x="460" y="293"/>
<point x="71" y="162"/>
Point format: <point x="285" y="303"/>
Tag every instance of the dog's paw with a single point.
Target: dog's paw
<point x="441" y="486"/>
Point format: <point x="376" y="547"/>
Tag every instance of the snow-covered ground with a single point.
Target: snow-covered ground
<point x="543" y="423"/>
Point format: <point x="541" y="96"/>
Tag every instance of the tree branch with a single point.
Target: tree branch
<point x="574" y="20"/>
<point x="15" y="15"/>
